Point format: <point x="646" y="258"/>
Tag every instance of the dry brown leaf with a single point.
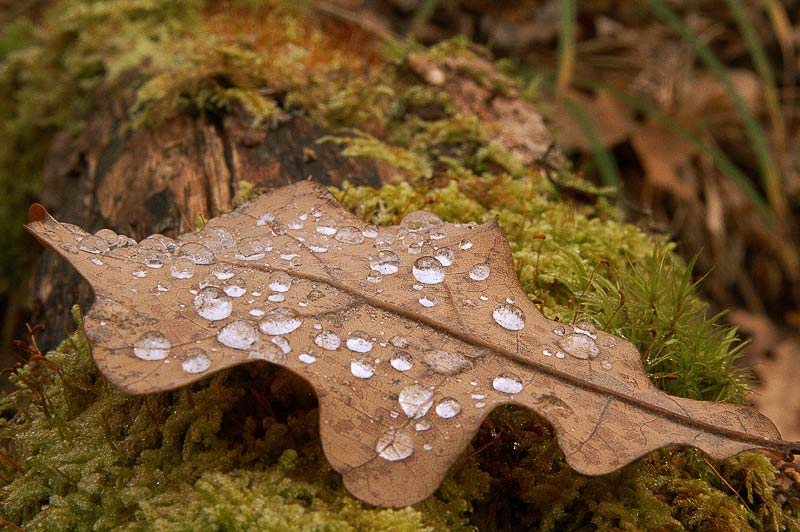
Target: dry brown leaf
<point x="409" y="334"/>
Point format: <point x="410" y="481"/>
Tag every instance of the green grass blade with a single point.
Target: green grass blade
<point x="770" y="178"/>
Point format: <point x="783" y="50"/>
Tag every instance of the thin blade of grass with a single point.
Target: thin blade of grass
<point x="770" y="178"/>
<point x="603" y="158"/>
<point x="566" y="45"/>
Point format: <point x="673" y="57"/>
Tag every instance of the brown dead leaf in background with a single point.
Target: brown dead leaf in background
<point x="409" y="334"/>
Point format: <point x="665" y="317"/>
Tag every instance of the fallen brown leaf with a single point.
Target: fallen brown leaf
<point x="409" y="334"/>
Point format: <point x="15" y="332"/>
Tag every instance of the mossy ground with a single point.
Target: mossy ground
<point x="240" y="450"/>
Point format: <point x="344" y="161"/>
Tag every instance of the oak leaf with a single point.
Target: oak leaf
<point x="410" y="336"/>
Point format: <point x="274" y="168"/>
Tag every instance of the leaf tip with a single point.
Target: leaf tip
<point x="37" y="213"/>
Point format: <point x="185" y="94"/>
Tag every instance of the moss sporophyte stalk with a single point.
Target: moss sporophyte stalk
<point x="240" y="450"/>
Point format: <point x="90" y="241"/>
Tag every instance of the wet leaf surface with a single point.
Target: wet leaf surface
<point x="410" y="336"/>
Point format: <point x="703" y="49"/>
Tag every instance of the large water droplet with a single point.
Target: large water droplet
<point x="196" y="361"/>
<point x="428" y="270"/>
<point x="213" y="304"/>
<point x="480" y="272"/>
<point x="507" y="383"/>
<point x="401" y="361"/>
<point x="445" y="256"/>
<point x="317" y="243"/>
<point x="447" y="408"/>
<point x="152" y="345"/>
<point x="362" y="368"/>
<point x="280" y="281"/>
<point x="509" y="317"/>
<point x="267" y="351"/>
<point x="415" y="400"/>
<point x="153" y="259"/>
<point x="93" y="244"/>
<point x="387" y="262"/>
<point x="328" y="340"/>
<point x="349" y="235"/>
<point x="238" y="335"/>
<point x="394" y="445"/>
<point x="281" y="320"/>
<point x="359" y="342"/>
<point x="250" y="249"/>
<point x="445" y="362"/>
<point x="421" y="221"/>
<point x="579" y="345"/>
<point x="295" y="223"/>
<point x="197" y="253"/>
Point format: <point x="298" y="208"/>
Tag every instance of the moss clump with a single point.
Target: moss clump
<point x="240" y="450"/>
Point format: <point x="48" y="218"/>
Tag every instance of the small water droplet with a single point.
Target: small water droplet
<point x="327" y="340"/>
<point x="560" y="354"/>
<point x="507" y="383"/>
<point x="415" y="400"/>
<point x="267" y="351"/>
<point x="386" y="262"/>
<point x="417" y="286"/>
<point x="484" y="298"/>
<point x="326" y="225"/>
<point x="282" y="343"/>
<point x="153" y="259"/>
<point x="359" y="342"/>
<point x="480" y="272"/>
<point x="307" y="358"/>
<point x="276" y="297"/>
<point x="427" y="447"/>
<point x="606" y="365"/>
<point x="182" y="268"/>
<point x="370" y="231"/>
<point x="280" y="281"/>
<point x="152" y="345"/>
<point x="465" y="244"/>
<point x="438" y="233"/>
<point x="265" y="218"/>
<point x="384" y="241"/>
<point x="586" y="328"/>
<point x="197" y="253"/>
<point x="139" y="274"/>
<point x="69" y="248"/>
<point x="445" y="256"/>
<point x="238" y="335"/>
<point x="362" y="368"/>
<point x="349" y="235"/>
<point x="374" y="276"/>
<point x="428" y="301"/>
<point x="295" y="223"/>
<point x="250" y="249"/>
<point x="399" y="341"/>
<point x="222" y="271"/>
<point x="394" y="445"/>
<point x="559" y="330"/>
<point x="93" y="244"/>
<point x="109" y="236"/>
<point x="509" y="317"/>
<point x="257" y="312"/>
<point x="213" y="304"/>
<point x="428" y="270"/>
<point x="445" y="362"/>
<point x="317" y="243"/>
<point x="96" y="261"/>
<point x="579" y="345"/>
<point x="196" y="361"/>
<point x="547" y="352"/>
<point x="234" y="290"/>
<point x="423" y="425"/>
<point x="401" y="361"/>
<point x="421" y="221"/>
<point x="447" y="408"/>
<point x="281" y="320"/>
